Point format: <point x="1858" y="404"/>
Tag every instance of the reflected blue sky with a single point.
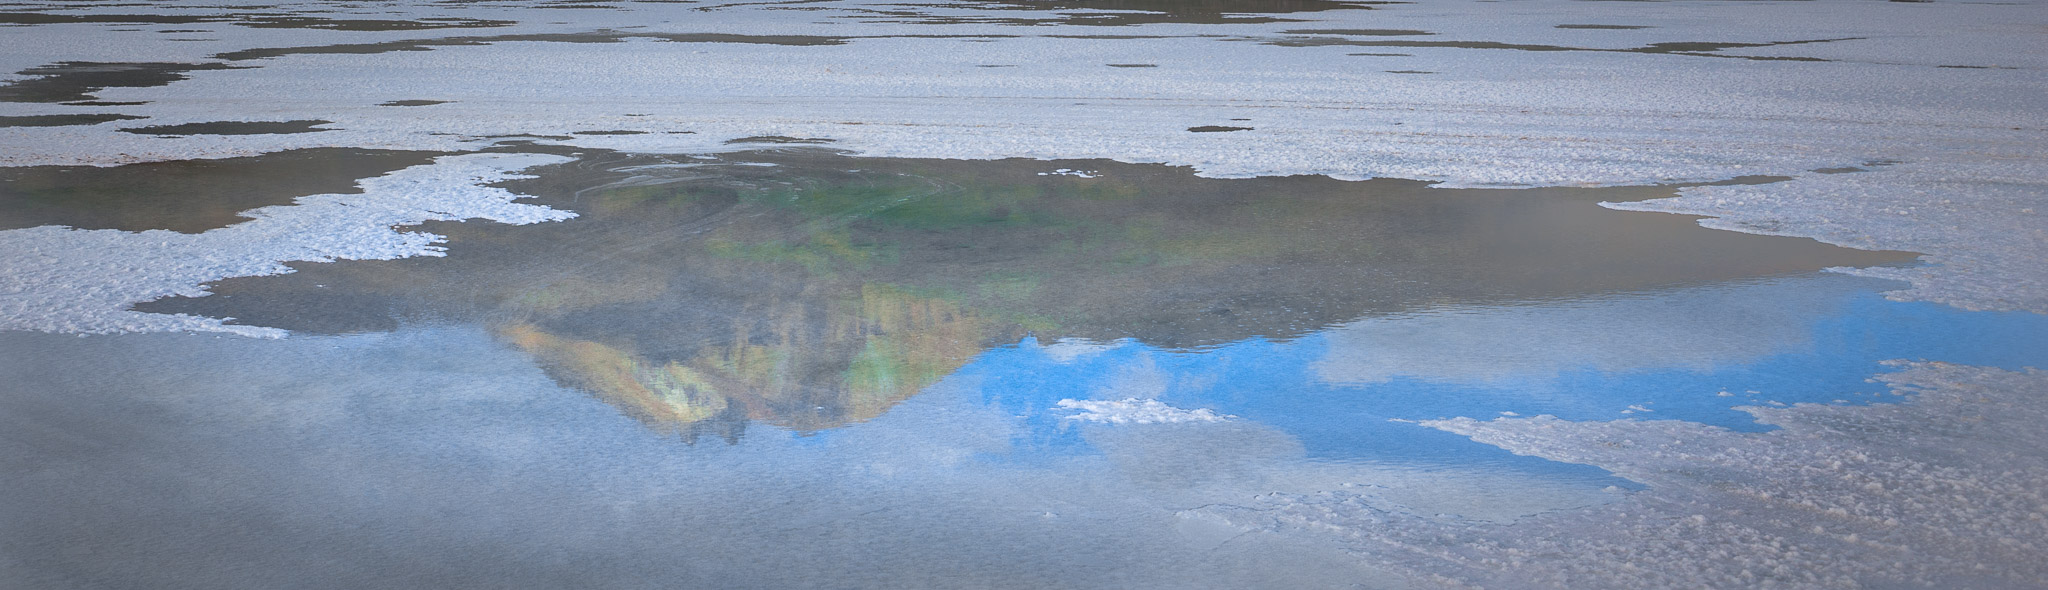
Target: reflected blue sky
<point x="304" y="454"/>
<point x="1690" y="354"/>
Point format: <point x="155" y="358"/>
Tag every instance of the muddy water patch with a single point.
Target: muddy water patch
<point x="1359" y="32"/>
<point x="64" y="120"/>
<point x="187" y="196"/>
<point x="233" y="128"/>
<point x="74" y="81"/>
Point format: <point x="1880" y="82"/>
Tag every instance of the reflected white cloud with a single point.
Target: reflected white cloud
<point x="436" y="457"/>
<point x="1695" y="328"/>
<point x="1067" y="350"/>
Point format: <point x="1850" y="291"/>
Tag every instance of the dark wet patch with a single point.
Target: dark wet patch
<point x="249" y="20"/>
<point x="596" y="37"/>
<point x="1359" y="32"/>
<point x="234" y="128"/>
<point x="63" y="120"/>
<point x="368" y="25"/>
<point x="1691" y="48"/>
<point x="1119" y="37"/>
<point x="790" y="40"/>
<point x="1751" y="180"/>
<point x="412" y="103"/>
<point x="187" y="195"/>
<point x="1111" y="13"/>
<point x="1217" y="129"/>
<point x="1606" y="27"/>
<point x="1409" y="72"/>
<point x="823" y="289"/>
<point x="103" y="103"/>
<point x="610" y="132"/>
<point x="37" y="18"/>
<point x="1842" y="170"/>
<point x="74" y="81"/>
<point x="780" y="139"/>
<point x="1132" y="65"/>
<point x="528" y="138"/>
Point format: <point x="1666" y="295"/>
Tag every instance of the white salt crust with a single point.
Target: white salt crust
<point x="66" y="280"/>
<point x="1946" y="490"/>
<point x="1967" y="137"/>
<point x="1135" y="411"/>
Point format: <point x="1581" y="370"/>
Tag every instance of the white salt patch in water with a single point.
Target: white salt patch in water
<point x="60" y="279"/>
<point x="1947" y="490"/>
<point x="1071" y="172"/>
<point x="1136" y="411"/>
<point x="1067" y="350"/>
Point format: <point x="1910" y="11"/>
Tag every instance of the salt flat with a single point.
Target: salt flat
<point x="1085" y="248"/>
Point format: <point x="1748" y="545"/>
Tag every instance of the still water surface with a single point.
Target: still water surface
<point x="798" y="368"/>
<point x="810" y="290"/>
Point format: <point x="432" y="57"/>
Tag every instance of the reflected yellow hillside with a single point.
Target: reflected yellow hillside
<point x="875" y="351"/>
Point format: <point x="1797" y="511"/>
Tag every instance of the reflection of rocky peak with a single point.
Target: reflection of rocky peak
<point x="777" y="366"/>
<point x="812" y="289"/>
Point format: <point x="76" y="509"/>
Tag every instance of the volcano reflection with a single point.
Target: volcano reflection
<point x="810" y="289"/>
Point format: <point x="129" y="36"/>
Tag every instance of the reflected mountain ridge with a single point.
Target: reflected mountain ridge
<point x="810" y="289"/>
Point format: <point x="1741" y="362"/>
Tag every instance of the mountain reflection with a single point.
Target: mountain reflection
<point x="809" y="289"/>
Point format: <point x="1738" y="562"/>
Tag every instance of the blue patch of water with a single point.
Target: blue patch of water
<point x="1347" y="392"/>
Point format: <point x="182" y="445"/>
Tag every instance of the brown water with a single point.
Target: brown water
<point x="187" y="195"/>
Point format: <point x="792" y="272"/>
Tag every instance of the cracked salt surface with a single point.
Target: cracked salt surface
<point x="1945" y="490"/>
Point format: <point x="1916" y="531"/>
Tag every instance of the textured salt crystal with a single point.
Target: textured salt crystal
<point x="1939" y="488"/>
